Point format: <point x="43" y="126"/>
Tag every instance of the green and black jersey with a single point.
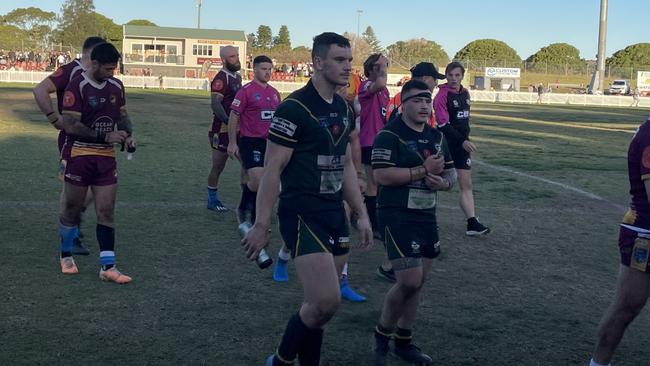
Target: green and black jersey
<point x="318" y="132"/>
<point x="398" y="145"/>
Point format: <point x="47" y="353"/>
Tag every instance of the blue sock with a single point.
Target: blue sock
<point x="213" y="194"/>
<point x="68" y="235"/>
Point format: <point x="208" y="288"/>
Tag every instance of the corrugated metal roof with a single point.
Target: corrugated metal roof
<point x="169" y="32"/>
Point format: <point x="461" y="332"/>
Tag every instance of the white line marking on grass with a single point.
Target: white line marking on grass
<point x="550" y="182"/>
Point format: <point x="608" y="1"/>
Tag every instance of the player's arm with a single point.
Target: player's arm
<point x="42" y="97"/>
<point x="352" y="195"/>
<point x="382" y="80"/>
<point x="72" y="125"/>
<point x="384" y="161"/>
<point x="233" y="130"/>
<point x="217" y="107"/>
<point x="125" y="124"/>
<point x="276" y="159"/>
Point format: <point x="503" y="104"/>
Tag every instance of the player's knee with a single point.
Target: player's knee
<point x="410" y="285"/>
<point x="105" y="215"/>
<point x="325" y="308"/>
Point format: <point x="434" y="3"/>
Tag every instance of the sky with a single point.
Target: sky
<point x="525" y="25"/>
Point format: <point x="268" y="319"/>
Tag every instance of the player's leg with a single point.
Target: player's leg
<point x="315" y="266"/>
<point x="219" y="158"/>
<point x="77" y="246"/>
<point x="371" y="188"/>
<point x="347" y="292"/>
<point x="631" y="296"/>
<point x="462" y="163"/>
<point x="73" y="199"/>
<point x="105" y="190"/>
<point x="254" y="178"/>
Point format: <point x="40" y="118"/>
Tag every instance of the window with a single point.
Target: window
<point x="201" y="50"/>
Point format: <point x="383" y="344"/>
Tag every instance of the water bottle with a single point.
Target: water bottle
<point x="263" y="259"/>
<point x="130" y="150"/>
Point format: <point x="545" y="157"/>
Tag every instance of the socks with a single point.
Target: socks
<point x="382" y="336"/>
<point x="403" y="337"/>
<point x="371" y="207"/>
<point x="309" y="354"/>
<point x="252" y="203"/>
<point x="292" y="341"/>
<point x="284" y="256"/>
<point x="68" y="235"/>
<point x="106" y="239"/>
<point x="213" y="194"/>
<point x="344" y="271"/>
<point x="243" y="202"/>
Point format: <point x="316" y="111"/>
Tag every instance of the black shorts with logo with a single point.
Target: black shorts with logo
<point x="316" y="232"/>
<point x="462" y="159"/>
<point x="408" y="235"/>
<point x="251" y="150"/>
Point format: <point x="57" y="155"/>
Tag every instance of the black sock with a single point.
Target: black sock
<point x="309" y="354"/>
<point x="243" y="203"/>
<point x="371" y="207"/>
<point x="253" y="205"/>
<point x="106" y="239"/>
<point x="403" y="337"/>
<point x="382" y="335"/>
<point x="292" y="340"/>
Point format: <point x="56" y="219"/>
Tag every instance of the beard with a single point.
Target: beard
<point x="233" y="67"/>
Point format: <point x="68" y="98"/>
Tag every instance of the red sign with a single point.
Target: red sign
<point x="202" y="60"/>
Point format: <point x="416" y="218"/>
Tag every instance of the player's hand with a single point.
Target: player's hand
<point x="256" y="239"/>
<point x="233" y="151"/>
<point x="130" y="144"/>
<point x="56" y="120"/>
<point x="469" y="146"/>
<point x="116" y="137"/>
<point x="365" y="232"/>
<point x="436" y="182"/>
<point x="434" y="164"/>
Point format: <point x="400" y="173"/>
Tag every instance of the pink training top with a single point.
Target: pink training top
<point x="255" y="105"/>
<point x="373" y="112"/>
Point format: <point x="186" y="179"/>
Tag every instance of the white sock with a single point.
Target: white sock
<point x="285" y="256"/>
<point x="344" y="272"/>
<point x="594" y="363"/>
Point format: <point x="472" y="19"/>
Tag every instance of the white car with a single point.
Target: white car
<point x="619" y="87"/>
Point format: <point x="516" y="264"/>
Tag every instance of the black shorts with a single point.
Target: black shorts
<point x="366" y="155"/>
<point x="316" y="232"/>
<point x="408" y="235"/>
<point x="251" y="150"/>
<point x="462" y="159"/>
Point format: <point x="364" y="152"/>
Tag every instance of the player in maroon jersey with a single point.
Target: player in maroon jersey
<point x="56" y="83"/>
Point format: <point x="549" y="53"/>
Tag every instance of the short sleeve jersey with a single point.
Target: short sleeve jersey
<point x="452" y="108"/>
<point x="638" y="165"/>
<point x="318" y="132"/>
<point x="98" y="106"/>
<point x="373" y="112"/>
<point x="227" y="84"/>
<point x="255" y="105"/>
<point x="398" y="145"/>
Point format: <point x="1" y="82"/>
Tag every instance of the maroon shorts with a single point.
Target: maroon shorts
<point x="91" y="170"/>
<point x="626" y="240"/>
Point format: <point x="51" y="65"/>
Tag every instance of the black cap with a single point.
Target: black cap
<point x="426" y="69"/>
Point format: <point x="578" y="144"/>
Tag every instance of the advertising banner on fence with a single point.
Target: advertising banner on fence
<point x="502" y="72"/>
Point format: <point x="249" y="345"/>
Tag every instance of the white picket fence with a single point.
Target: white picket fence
<point x="153" y="82"/>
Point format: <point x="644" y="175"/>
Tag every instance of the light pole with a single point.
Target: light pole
<point x="199" y="3"/>
<point x="359" y="12"/>
<point x="598" y="78"/>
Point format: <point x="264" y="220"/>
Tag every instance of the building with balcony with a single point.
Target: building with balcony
<point x="177" y="52"/>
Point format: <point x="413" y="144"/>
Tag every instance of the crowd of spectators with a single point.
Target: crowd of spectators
<point x="32" y="60"/>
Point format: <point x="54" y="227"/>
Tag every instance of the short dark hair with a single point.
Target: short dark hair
<point x="414" y="84"/>
<point x="369" y="64"/>
<point x="91" y="42"/>
<point x="105" y="53"/>
<point x="455" y="65"/>
<point x="323" y="41"/>
<point x="260" y="59"/>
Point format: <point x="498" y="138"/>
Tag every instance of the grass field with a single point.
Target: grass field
<point x="530" y="293"/>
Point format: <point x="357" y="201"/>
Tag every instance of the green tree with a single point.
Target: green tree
<point x="109" y="30"/>
<point x="76" y="22"/>
<point x="488" y="52"/>
<point x="371" y="39"/>
<point x="408" y="53"/>
<point x="264" y="36"/>
<point x="283" y="38"/>
<point x="35" y="23"/>
<point x="556" y="53"/>
<point x="141" y="22"/>
<point x="633" y="55"/>
<point x="360" y="48"/>
<point x="11" y="37"/>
